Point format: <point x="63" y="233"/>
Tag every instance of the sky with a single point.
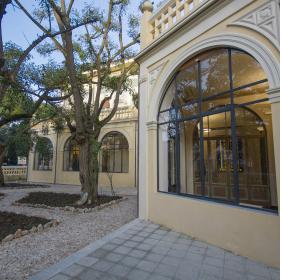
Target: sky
<point x="20" y="30"/>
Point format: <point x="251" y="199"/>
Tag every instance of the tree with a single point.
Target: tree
<point x="18" y="76"/>
<point x="15" y="140"/>
<point x="96" y="63"/>
<point x="19" y="141"/>
<point x="24" y="86"/>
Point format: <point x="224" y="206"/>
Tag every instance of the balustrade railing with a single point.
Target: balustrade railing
<point x="121" y="114"/>
<point x="20" y="171"/>
<point x="171" y="12"/>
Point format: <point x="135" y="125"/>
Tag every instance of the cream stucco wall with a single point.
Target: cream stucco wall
<point x="248" y="232"/>
<point x="59" y="176"/>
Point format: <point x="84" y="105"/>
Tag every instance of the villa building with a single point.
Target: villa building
<point x="58" y="163"/>
<point x="209" y="96"/>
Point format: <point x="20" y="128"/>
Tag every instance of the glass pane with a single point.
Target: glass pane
<point x="66" y="160"/>
<point x="43" y="154"/>
<point x="166" y="160"/>
<point x="111" y="161"/>
<point x="169" y="115"/>
<point x="186" y="82"/>
<point x="189" y="110"/>
<point x="118" y="161"/>
<point x="216" y="103"/>
<point x="105" y="160"/>
<point x="125" y="160"/>
<point x="74" y="161"/>
<point x="252" y="93"/>
<point x="256" y="177"/>
<point x="168" y="97"/>
<point x="190" y="157"/>
<point x="218" y="156"/>
<point x="245" y="69"/>
<point x="214" y="72"/>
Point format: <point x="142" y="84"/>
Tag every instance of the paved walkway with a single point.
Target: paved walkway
<point x="142" y="250"/>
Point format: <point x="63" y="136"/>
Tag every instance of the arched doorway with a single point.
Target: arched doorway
<point x="71" y="155"/>
<point x="114" y="153"/>
<point x="215" y="131"/>
<point x="43" y="154"/>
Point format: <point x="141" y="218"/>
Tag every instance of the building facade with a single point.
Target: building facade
<point x="209" y="102"/>
<point x="55" y="156"/>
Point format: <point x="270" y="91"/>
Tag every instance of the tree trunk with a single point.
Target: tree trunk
<point x="89" y="169"/>
<point x="2" y="181"/>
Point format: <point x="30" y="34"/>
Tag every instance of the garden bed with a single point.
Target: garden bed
<point x="65" y="201"/>
<point x="16" y="225"/>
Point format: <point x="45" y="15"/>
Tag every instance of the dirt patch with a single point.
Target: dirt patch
<point x="53" y="199"/>
<point x="11" y="222"/>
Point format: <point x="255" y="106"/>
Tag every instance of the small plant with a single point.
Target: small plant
<point x="110" y="177"/>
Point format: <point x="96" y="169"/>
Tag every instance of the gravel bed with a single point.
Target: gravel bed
<point x="23" y="257"/>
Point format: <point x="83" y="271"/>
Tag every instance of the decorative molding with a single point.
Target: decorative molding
<point x="274" y="95"/>
<point x="155" y="73"/>
<point x="264" y="20"/>
<point x="152" y="125"/>
<point x="142" y="80"/>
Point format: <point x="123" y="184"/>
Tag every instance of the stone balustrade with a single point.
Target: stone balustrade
<point x="121" y="114"/>
<point x="15" y="172"/>
<point x="167" y="15"/>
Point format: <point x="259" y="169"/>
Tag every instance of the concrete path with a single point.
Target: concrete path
<point x="142" y="250"/>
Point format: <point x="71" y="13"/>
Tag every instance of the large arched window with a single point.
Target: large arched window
<point x="71" y="155"/>
<point x="215" y="131"/>
<point x="114" y="153"/>
<point x="43" y="155"/>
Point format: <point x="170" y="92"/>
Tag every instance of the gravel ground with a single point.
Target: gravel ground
<point x="27" y="255"/>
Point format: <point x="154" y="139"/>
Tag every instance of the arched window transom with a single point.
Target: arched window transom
<point x="215" y="131"/>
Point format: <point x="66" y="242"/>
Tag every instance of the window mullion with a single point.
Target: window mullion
<point x="202" y="159"/>
<point x="177" y="143"/>
<point x="233" y="133"/>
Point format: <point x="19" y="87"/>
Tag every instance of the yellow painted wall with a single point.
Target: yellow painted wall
<point x="127" y="128"/>
<point x="248" y="232"/>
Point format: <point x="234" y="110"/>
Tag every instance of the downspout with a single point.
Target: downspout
<point x="56" y="157"/>
<point x="138" y="136"/>
<point x="135" y="177"/>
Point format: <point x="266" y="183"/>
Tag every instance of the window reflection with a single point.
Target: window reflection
<point x="114" y="153"/>
<point x="71" y="155"/>
<point x="216" y="141"/>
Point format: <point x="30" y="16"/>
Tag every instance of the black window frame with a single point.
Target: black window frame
<point x="68" y="150"/>
<point x="228" y="108"/>
<point x="121" y="148"/>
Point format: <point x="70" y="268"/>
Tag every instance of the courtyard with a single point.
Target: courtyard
<point x="143" y="250"/>
<point x="152" y="131"/>
<point x="112" y="244"/>
<point x="27" y="255"/>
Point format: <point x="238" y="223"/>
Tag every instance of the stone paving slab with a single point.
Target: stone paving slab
<point x="142" y="250"/>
